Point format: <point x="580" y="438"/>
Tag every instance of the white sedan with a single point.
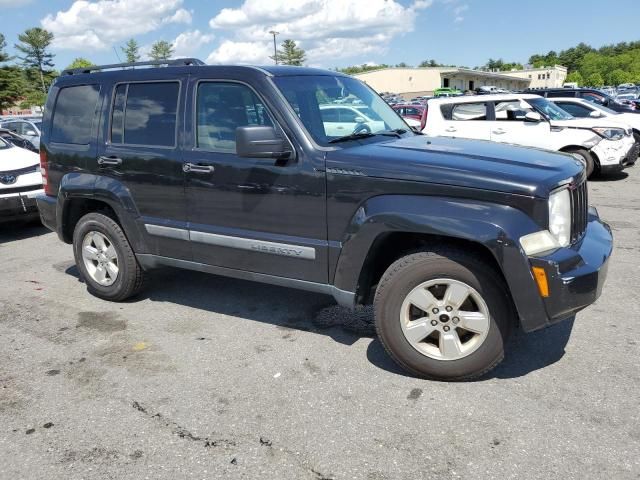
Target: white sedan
<point x="20" y="182"/>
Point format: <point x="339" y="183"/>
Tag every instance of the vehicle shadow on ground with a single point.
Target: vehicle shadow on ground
<point x="13" y="231"/>
<point x="290" y="309"/>
<point x="525" y="352"/>
<point x="609" y="177"/>
<point x="285" y="308"/>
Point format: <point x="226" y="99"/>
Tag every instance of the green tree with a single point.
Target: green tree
<point x="79" y="62"/>
<point x="32" y="98"/>
<point x="12" y="86"/>
<point x="4" y="56"/>
<point x="575" y="77"/>
<point x="34" y="44"/>
<point x="619" y="76"/>
<point x="595" y="80"/>
<point x="161" y="50"/>
<point x="131" y="51"/>
<point x="289" y="54"/>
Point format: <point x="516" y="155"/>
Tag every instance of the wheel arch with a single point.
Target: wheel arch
<point x="388" y="227"/>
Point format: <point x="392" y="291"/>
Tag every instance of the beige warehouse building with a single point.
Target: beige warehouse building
<point x="411" y="82"/>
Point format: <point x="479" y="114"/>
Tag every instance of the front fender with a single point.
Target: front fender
<point x="103" y="189"/>
<point x="494" y="226"/>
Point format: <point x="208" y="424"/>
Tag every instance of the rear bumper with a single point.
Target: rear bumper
<point x="18" y="206"/>
<point x="577" y="274"/>
<point x="47" y="207"/>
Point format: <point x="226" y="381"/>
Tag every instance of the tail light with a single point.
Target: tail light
<point x="423" y="122"/>
<point x="44" y="170"/>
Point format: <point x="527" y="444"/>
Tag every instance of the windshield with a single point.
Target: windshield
<point x="334" y="107"/>
<point x="549" y="110"/>
<point x="38" y="125"/>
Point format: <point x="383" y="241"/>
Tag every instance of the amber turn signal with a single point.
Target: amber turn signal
<point x="541" y="279"/>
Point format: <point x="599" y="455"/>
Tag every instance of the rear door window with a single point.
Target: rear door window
<point x="74" y="113"/>
<point x="465" y="111"/>
<point x="145" y="114"/>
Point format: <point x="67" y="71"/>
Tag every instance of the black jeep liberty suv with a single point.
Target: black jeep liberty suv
<point x="307" y="179"/>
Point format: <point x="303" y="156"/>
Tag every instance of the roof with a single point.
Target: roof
<point x="484" y="98"/>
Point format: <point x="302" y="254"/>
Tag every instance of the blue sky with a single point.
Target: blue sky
<point x="333" y="32"/>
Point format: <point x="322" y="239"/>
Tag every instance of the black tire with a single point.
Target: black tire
<point x="412" y="270"/>
<point x="587" y="158"/>
<point x="130" y="276"/>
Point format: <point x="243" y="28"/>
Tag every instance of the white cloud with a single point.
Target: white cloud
<point x="99" y="24"/>
<point x="458" y="11"/>
<point x="181" y="16"/>
<point x="326" y="29"/>
<point x="241" y="53"/>
<point x="188" y="43"/>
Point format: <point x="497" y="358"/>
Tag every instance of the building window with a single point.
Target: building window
<point x="548" y="75"/>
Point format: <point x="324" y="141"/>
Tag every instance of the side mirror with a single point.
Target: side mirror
<point x="359" y="120"/>
<point x="260" y="142"/>
<point x="31" y="133"/>
<point x="533" y="117"/>
<point x="595" y="114"/>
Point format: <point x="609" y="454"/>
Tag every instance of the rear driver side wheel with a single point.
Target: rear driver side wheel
<point x="105" y="258"/>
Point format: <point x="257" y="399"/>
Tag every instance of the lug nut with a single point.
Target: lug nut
<point x="446" y="328"/>
<point x="435" y="310"/>
<point x="434" y="322"/>
<point x="455" y="320"/>
<point x="449" y="308"/>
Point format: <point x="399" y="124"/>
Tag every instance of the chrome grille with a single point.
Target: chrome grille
<point x="579" y="210"/>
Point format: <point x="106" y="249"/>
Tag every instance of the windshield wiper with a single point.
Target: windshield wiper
<point x="356" y="136"/>
<point x="353" y="136"/>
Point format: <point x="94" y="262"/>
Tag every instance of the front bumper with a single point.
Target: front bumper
<point x="19" y="206"/>
<point x="576" y="274"/>
<point x="614" y="155"/>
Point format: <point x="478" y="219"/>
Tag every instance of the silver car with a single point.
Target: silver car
<point x="26" y="128"/>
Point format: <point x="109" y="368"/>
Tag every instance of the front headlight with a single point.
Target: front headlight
<point x="609" y="133"/>
<point x="560" y="216"/>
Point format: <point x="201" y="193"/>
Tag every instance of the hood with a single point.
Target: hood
<point x="16" y="158"/>
<point x="587" y="122"/>
<point x="465" y="163"/>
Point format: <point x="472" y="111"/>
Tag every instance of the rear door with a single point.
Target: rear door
<point x="141" y="155"/>
<point x="465" y="120"/>
<point x="509" y="126"/>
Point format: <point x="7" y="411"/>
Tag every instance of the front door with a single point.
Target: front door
<point x="142" y="154"/>
<point x="510" y="126"/>
<point x="258" y="215"/>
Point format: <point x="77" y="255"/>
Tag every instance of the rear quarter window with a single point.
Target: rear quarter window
<point x="464" y="111"/>
<point x="73" y="114"/>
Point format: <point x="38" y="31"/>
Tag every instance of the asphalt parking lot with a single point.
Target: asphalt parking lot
<point x="206" y="377"/>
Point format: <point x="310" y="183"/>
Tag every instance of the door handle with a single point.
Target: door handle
<point x="499" y="131"/>
<point x="110" y="161"/>
<point x="451" y="129"/>
<point x="195" y="168"/>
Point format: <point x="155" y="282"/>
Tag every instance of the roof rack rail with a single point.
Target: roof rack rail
<point x="98" y="68"/>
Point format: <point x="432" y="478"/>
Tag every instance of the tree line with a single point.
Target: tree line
<point x="26" y="77"/>
<point x="608" y="65"/>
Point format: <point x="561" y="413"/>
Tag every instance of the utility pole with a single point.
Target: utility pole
<point x="275" y="50"/>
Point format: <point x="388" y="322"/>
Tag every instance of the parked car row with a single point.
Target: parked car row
<point x="26" y="127"/>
